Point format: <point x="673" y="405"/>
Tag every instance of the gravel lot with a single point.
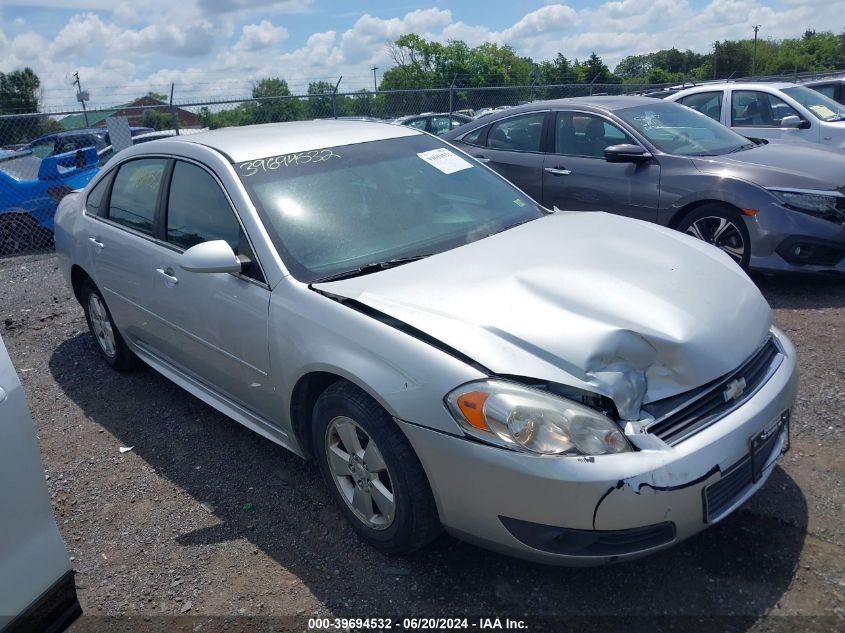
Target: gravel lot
<point x="163" y="529"/>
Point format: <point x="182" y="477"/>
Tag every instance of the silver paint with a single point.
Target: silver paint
<point x="606" y="304"/>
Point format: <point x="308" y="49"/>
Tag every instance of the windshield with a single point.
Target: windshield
<point x="677" y="129"/>
<point x="822" y="107"/>
<point x="334" y="210"/>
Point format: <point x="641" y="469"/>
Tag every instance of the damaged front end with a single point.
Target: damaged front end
<point x="627" y="310"/>
<point x="594" y="509"/>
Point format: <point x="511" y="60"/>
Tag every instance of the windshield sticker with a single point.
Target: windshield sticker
<point x="823" y="112"/>
<point x="444" y="160"/>
<point x="519" y="202"/>
<point x="252" y="167"/>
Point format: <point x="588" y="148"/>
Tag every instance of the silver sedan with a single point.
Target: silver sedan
<point x="569" y="388"/>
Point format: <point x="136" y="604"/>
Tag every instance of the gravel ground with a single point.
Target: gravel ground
<point x="164" y="530"/>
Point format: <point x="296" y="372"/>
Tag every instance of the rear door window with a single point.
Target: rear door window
<point x="135" y="193"/>
<point x="709" y="103"/>
<point x="517" y="133"/>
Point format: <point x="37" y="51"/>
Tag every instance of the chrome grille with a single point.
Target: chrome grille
<point x="683" y="416"/>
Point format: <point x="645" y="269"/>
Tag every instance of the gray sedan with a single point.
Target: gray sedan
<point x="564" y="387"/>
<point x="770" y="206"/>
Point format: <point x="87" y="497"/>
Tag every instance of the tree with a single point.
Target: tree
<point x="158" y="120"/>
<point x="597" y="72"/>
<point x="19" y="91"/>
<point x="158" y="96"/>
<point x="273" y="107"/>
<point x="320" y="103"/>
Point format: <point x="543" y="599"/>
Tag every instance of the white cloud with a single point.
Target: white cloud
<point x="226" y="6"/>
<point x="256" y="37"/>
<point x="220" y="46"/>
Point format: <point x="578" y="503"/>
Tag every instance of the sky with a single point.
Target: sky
<point x="124" y="48"/>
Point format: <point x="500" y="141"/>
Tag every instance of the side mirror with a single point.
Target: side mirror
<point x="791" y="121"/>
<point x="626" y="153"/>
<point x="210" y="257"/>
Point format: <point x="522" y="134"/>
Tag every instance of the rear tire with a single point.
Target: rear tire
<point x="372" y="471"/>
<point x="17" y="233"/>
<point x="723" y="227"/>
<point x="106" y="336"/>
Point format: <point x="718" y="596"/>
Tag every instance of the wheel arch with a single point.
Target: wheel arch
<point x="78" y="276"/>
<point x="304" y="397"/>
<point x="690" y="207"/>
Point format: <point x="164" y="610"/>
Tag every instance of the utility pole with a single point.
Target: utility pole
<point x="715" y="57"/>
<point x="375" y="84"/>
<point x="81" y="97"/>
<point x="754" y="54"/>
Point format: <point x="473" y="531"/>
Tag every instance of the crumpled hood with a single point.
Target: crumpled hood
<point x="781" y="164"/>
<point x="628" y="309"/>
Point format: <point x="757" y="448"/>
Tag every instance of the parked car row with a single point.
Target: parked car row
<point x="573" y="388"/>
<point x="776" y="111"/>
<point x="774" y="207"/>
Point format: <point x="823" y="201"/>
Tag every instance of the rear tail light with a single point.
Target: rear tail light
<point x="57" y="192"/>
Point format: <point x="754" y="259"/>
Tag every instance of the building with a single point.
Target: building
<point x="133" y="111"/>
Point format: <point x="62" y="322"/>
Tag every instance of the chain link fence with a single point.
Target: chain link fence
<point x="44" y="156"/>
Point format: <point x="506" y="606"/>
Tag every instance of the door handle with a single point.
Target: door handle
<point x="482" y="159"/>
<point x="97" y="243"/>
<point x="556" y="171"/>
<point x="167" y="273"/>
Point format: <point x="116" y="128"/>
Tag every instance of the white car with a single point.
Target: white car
<point x="37" y="590"/>
<point x="772" y="111"/>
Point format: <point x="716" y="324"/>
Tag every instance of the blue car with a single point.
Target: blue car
<point x="30" y="191"/>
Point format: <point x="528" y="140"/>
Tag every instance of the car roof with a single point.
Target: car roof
<point x="829" y="80"/>
<point x="601" y="102"/>
<point x="251" y="142"/>
<point x="746" y="85"/>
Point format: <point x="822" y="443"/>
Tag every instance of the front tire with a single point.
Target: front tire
<point x="108" y="340"/>
<point x="723" y="227"/>
<point x="372" y="471"/>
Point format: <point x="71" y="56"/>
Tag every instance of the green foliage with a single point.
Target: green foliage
<point x="159" y="96"/>
<point x="158" y="120"/>
<point x="425" y="70"/>
<point x="19" y="92"/>
<point x="320" y="105"/>
<point x="812" y="52"/>
<point x="269" y="109"/>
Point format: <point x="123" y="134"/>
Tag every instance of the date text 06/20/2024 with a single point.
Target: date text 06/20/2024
<point x="415" y="624"/>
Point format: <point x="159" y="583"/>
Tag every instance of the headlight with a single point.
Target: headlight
<point x="812" y="202"/>
<point x="517" y="417"/>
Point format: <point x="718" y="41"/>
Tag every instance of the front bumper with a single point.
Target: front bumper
<point x="775" y="232"/>
<point x="545" y="508"/>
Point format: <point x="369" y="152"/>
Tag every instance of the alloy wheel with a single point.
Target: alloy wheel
<point x="721" y="233"/>
<point x="360" y="473"/>
<point x="101" y="325"/>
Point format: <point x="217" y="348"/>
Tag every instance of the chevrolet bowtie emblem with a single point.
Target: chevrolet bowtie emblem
<point x="734" y="389"/>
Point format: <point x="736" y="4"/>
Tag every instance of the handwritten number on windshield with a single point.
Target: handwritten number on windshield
<point x="252" y="167"/>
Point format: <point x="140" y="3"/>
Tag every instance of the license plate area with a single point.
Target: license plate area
<point x="764" y="442"/>
<point x="719" y="497"/>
